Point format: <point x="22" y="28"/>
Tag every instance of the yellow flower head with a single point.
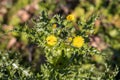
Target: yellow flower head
<point x="78" y="41"/>
<point x="69" y="39"/>
<point x="54" y="26"/>
<point x="51" y="40"/>
<point x="70" y="17"/>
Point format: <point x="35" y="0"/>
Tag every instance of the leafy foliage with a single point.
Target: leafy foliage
<point x="62" y="46"/>
<point x="63" y="60"/>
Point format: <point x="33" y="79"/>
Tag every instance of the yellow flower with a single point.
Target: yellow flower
<point x="69" y="39"/>
<point x="54" y="26"/>
<point x="78" y="41"/>
<point x="70" y="17"/>
<point x="51" y="40"/>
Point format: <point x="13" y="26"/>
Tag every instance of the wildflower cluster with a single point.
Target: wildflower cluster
<point x="64" y="43"/>
<point x="78" y="41"/>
